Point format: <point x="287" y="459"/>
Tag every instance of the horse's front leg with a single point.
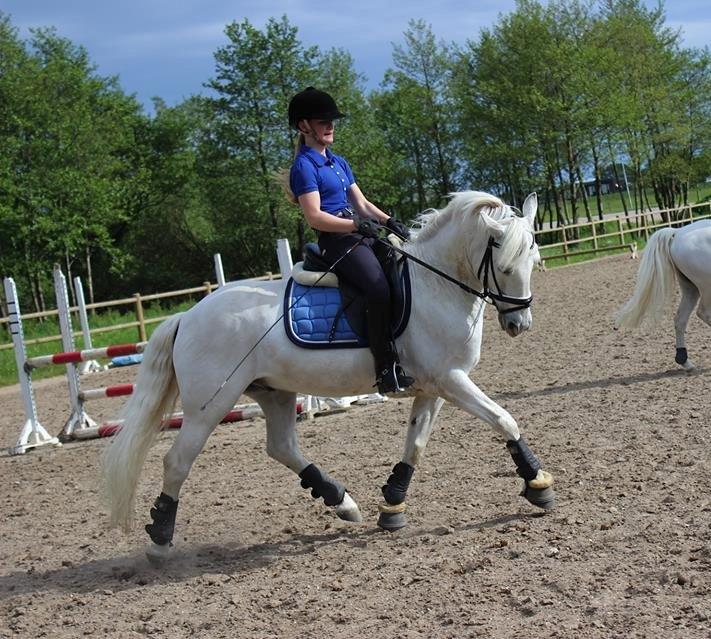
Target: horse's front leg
<point x="458" y="389"/>
<point x="422" y="418"/>
<point x="282" y="445"/>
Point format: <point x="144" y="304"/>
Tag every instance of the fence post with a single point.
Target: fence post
<point x="620" y="230"/>
<point x="594" y="235"/>
<point x="208" y="288"/>
<point x="139" y="318"/>
<point x="219" y="271"/>
<point x="565" y="245"/>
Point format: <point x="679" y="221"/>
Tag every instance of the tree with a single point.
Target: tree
<point x="414" y="112"/>
<point x="65" y="139"/>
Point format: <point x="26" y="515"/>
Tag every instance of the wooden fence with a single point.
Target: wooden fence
<point x="136" y="303"/>
<point x="596" y="237"/>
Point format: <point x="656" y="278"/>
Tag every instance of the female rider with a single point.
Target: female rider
<point x="325" y="189"/>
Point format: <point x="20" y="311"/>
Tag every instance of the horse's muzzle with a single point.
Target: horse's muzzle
<point x="516" y="323"/>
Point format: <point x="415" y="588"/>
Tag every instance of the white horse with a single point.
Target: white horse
<point x="686" y="253"/>
<point x="476" y="239"/>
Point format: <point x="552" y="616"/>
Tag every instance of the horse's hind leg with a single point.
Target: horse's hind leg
<point x="282" y="445"/>
<point x="689" y="298"/>
<point x="177" y="463"/>
<point x="422" y="418"/>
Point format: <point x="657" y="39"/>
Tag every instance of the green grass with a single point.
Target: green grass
<point x="48" y="327"/>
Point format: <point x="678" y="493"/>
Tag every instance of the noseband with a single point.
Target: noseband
<point x="487" y="266"/>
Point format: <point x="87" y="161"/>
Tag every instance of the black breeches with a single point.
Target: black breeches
<point x="361" y="269"/>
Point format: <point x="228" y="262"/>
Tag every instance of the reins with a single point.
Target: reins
<point x="487" y="265"/>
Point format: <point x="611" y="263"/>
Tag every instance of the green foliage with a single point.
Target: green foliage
<point x="65" y="136"/>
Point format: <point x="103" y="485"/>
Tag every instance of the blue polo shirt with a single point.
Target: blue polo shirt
<point x="330" y="176"/>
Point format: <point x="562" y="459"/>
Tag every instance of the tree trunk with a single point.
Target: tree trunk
<point x="561" y="181"/>
<point x="69" y="280"/>
<point x="598" y="180"/>
<point x="29" y="278"/>
<point x="584" y="193"/>
<point x="618" y="182"/>
<point x="40" y="291"/>
<point x="89" y="275"/>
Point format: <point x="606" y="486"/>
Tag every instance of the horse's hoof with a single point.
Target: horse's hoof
<point x="541" y="497"/>
<point x="688" y="366"/>
<point x="392" y="516"/>
<point x="158" y="554"/>
<point x="392" y="521"/>
<point x="348" y="510"/>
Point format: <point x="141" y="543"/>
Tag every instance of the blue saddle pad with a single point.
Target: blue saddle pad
<point x="313" y="317"/>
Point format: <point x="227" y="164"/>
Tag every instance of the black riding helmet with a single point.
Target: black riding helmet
<point x="312" y="104"/>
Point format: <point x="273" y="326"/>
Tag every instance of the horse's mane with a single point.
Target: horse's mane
<point x="514" y="243"/>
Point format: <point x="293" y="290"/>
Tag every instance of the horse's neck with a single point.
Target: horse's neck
<point x="446" y="251"/>
<point x="449" y="251"/>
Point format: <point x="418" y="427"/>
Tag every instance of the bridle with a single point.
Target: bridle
<point x="487" y="266"/>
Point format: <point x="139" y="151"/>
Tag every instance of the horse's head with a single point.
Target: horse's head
<point x="507" y="263"/>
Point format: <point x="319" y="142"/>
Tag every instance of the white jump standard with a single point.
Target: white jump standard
<point x="33" y="433"/>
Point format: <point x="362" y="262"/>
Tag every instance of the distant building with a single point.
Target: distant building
<point x="607" y="185"/>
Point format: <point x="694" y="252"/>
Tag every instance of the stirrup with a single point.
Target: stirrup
<point x="393" y="380"/>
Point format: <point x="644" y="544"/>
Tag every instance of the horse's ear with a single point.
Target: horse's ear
<point x="530" y="206"/>
<point x="496" y="229"/>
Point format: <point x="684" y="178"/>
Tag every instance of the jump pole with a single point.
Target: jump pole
<point x="33" y="434"/>
<point x="78" y="418"/>
<point x="117" y="350"/>
<point x="237" y="414"/>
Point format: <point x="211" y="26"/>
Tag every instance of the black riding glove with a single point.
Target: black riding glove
<point x="367" y="227"/>
<point x="397" y="227"/>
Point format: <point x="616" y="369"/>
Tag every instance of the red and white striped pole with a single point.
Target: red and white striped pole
<point x="73" y="357"/>
<point x="237" y="414"/>
<point x="119" y="390"/>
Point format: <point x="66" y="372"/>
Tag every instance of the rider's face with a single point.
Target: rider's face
<point x="322" y="130"/>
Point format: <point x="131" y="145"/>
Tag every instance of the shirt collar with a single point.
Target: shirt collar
<point x="315" y="156"/>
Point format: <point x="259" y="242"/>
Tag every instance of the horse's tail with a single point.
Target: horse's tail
<point x="156" y="391"/>
<point x="655" y="283"/>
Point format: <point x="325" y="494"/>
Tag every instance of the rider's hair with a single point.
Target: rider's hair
<point x="281" y="176"/>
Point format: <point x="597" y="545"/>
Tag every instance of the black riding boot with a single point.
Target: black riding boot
<point x="389" y="376"/>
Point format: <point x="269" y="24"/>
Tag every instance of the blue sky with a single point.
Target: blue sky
<point x="165" y="47"/>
